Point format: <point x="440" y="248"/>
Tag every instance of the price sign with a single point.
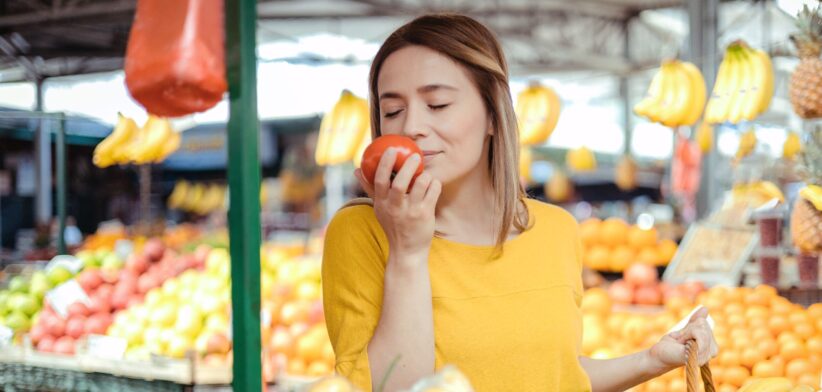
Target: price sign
<point x="106" y="347"/>
<point x="66" y="294"/>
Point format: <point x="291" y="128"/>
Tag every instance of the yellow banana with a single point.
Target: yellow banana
<point x="734" y="85"/>
<point x="765" y="94"/>
<point x="747" y="143"/>
<point x="697" y="93"/>
<point x="109" y="150"/>
<point x="663" y="108"/>
<point x="742" y="94"/>
<point x="705" y="137"/>
<point x="677" y="108"/>
<point x="171" y="145"/>
<point x="792" y="146"/>
<point x="178" y="195"/>
<point x="653" y="95"/>
<point x="813" y="194"/>
<point x="194" y="197"/>
<point x="714" y="111"/>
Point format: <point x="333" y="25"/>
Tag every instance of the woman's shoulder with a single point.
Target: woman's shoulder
<point x="356" y="216"/>
<point x="550" y="213"/>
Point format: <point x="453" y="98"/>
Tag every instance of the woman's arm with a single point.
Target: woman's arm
<point x="669" y="353"/>
<point x="405" y="332"/>
<point x="621" y="373"/>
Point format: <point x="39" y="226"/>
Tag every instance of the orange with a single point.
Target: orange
<point x="761" y="333"/>
<point x="728" y="358"/>
<point x="677" y="385"/>
<point x="318" y="369"/>
<point x="656" y="385"/>
<point x="819" y="325"/>
<point x="717" y="373"/>
<point x="736" y="295"/>
<point x="768" y="291"/>
<point x="742" y="340"/>
<point x="677" y="304"/>
<point x="621" y="257"/>
<point x="615" y="322"/>
<point x="778" y="324"/>
<point x="596" y="301"/>
<point x="766" y="369"/>
<point x="756" y="311"/>
<point x="613" y="232"/>
<point x="816" y="360"/>
<point x="791" y="350"/>
<point x="737" y="321"/>
<point x="635" y="330"/>
<point x="639" y="238"/>
<point x="780" y="305"/>
<point x="757" y="298"/>
<point x="779" y="362"/>
<point x="768" y="347"/>
<point x="597" y="257"/>
<point x="815" y="310"/>
<point x="798" y="367"/>
<point x="814" y="344"/>
<point x="736" y="375"/>
<point x="666" y="250"/>
<point x="751" y="356"/>
<point x="811" y="380"/>
<point x="804" y="330"/>
<point x="648" y="255"/>
<point x="723" y="343"/>
<point x="735" y="308"/>
<point x="296" y="367"/>
<point x="786" y="336"/>
<point x="759" y="322"/>
<point x="589" y="232"/>
<point x="798" y="316"/>
<point x="726" y="388"/>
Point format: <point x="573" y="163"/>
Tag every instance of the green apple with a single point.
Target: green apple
<point x="24" y="303"/>
<point x="99" y="256"/>
<point x="19" y="284"/>
<point x="189" y="321"/>
<point x="39" y="278"/>
<point x="112" y="262"/>
<point x="58" y="275"/>
<point x="39" y="287"/>
<point x="18" y="321"/>
<point x="86" y="257"/>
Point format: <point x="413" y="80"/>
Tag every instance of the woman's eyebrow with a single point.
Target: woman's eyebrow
<point x="424" y="89"/>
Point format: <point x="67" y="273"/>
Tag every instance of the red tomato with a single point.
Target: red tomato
<point x="405" y="148"/>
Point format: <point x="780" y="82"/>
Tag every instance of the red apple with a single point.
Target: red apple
<point x="135" y="299"/>
<point x="55" y="326"/>
<point x="90" y="279"/>
<point x="98" y="324"/>
<point x="37" y="333"/>
<point x="621" y="292"/>
<point x="100" y="304"/>
<point x="105" y="290"/>
<point x="218" y="343"/>
<point x="46" y="344"/>
<point x="154" y="249"/>
<point x="648" y="295"/>
<point x="147" y="282"/>
<point x="640" y="274"/>
<point x="78" y="309"/>
<point x="136" y="264"/>
<point x="119" y="300"/>
<point x="76" y="326"/>
<point x="64" y="345"/>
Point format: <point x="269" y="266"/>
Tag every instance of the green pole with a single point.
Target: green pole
<point x="60" y="147"/>
<point x="244" y="192"/>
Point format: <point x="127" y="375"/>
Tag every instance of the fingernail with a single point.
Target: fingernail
<point x="390" y="151"/>
<point x="415" y="157"/>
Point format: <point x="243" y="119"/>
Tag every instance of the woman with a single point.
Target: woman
<point x="461" y="268"/>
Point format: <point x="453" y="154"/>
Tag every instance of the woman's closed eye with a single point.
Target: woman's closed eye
<point x="439" y="107"/>
<point x="393" y="114"/>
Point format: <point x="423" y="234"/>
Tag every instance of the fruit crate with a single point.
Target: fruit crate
<point x="21" y="368"/>
<point x="804" y="297"/>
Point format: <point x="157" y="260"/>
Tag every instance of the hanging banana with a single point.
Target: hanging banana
<point x="676" y="95"/>
<point x="110" y="151"/>
<point x="744" y="85"/>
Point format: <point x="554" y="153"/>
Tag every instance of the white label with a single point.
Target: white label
<point x="123" y="248"/>
<point x="106" y="347"/>
<point x="6" y="334"/>
<point x="66" y="294"/>
<point x="69" y="262"/>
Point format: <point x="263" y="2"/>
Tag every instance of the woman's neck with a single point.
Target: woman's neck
<point x="467" y="211"/>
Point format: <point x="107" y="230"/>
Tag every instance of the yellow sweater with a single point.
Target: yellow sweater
<point x="510" y="324"/>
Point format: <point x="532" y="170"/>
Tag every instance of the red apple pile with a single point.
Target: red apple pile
<point x="108" y="293"/>
<point x="641" y="286"/>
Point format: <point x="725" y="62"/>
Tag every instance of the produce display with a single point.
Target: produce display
<point x="641" y="286"/>
<point x="676" y="95"/>
<point x="806" y="79"/>
<point x="744" y="85"/>
<point x="21" y="303"/>
<point x="614" y="245"/>
<point x="760" y="335"/>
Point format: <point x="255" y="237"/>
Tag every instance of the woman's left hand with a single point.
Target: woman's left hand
<point x="670" y="351"/>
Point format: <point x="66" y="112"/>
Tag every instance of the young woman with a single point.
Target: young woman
<point x="462" y="268"/>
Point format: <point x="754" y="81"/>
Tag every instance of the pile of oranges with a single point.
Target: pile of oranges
<point x="613" y="245"/>
<point x="759" y="334"/>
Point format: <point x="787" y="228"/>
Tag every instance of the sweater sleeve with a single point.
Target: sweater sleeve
<point x="354" y="257"/>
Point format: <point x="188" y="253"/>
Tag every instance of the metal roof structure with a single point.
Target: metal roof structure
<point x="48" y="38"/>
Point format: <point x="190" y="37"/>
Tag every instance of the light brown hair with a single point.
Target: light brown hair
<point x="473" y="46"/>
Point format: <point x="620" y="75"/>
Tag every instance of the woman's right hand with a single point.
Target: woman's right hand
<point x="407" y="218"/>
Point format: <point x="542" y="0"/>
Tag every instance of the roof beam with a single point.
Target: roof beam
<point x="67" y="13"/>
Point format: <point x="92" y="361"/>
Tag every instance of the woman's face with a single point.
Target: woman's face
<point x="430" y="98"/>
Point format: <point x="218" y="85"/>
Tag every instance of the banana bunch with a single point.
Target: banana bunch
<point x="744" y="85"/>
<point x="112" y="149"/>
<point x="756" y="193"/>
<point x="676" y="95"/>
<point x="197" y="198"/>
<point x="128" y="143"/>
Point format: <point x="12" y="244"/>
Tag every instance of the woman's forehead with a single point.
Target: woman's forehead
<point x="415" y="67"/>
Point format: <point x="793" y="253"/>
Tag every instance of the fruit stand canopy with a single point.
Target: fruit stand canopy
<point x="79" y="129"/>
<point x="47" y="38"/>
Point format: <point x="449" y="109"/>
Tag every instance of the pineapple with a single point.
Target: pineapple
<point x="806" y="218"/>
<point x="806" y="80"/>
